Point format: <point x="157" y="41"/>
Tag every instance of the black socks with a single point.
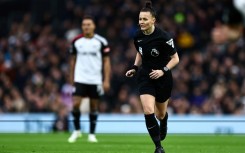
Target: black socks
<point x="76" y="115"/>
<point x="165" y="120"/>
<point x="163" y="126"/>
<point x="93" y="119"/>
<point x="153" y="129"/>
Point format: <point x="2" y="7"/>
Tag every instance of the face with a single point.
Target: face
<point x="146" y="20"/>
<point x="88" y="26"/>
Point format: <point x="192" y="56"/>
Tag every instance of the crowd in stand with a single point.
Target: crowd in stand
<point x="210" y="78"/>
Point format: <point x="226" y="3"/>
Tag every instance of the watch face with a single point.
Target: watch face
<point x="165" y="69"/>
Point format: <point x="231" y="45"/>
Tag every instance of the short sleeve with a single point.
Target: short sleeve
<point x="137" y="36"/>
<point x="170" y="45"/>
<point x="136" y="45"/>
<point x="105" y="48"/>
<point x="73" y="49"/>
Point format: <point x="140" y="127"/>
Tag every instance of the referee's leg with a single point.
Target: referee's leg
<point x="162" y="116"/>
<point x="161" y="109"/>
<point x="148" y="104"/>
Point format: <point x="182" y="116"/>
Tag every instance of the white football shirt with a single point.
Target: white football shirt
<point x="89" y="58"/>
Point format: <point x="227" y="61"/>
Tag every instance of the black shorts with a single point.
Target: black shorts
<point x="160" y="88"/>
<point x="87" y="90"/>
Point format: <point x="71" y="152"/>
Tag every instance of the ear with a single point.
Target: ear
<point x="153" y="19"/>
<point x="93" y="23"/>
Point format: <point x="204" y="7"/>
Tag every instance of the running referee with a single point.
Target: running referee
<point x="157" y="56"/>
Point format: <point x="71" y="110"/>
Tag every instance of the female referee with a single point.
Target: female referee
<point x="156" y="56"/>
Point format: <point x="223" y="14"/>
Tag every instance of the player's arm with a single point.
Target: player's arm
<point x="107" y="73"/>
<point x="72" y="62"/>
<point x="132" y="71"/>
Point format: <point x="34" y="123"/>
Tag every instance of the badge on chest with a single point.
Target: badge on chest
<point x="154" y="52"/>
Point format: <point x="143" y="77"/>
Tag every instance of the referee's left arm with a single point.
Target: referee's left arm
<point x="173" y="62"/>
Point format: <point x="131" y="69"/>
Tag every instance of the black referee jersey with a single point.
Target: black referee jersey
<point x="155" y="49"/>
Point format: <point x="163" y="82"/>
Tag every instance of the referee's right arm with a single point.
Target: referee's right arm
<point x="138" y="60"/>
<point x="132" y="71"/>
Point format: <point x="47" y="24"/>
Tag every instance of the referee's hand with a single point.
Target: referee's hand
<point x="155" y="74"/>
<point x="130" y="73"/>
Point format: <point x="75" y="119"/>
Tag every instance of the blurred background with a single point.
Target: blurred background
<point x="35" y="37"/>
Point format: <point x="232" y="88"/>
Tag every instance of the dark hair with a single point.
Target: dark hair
<point x="148" y="8"/>
<point x="88" y="17"/>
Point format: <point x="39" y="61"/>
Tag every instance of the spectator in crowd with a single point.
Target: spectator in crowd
<point x="34" y="49"/>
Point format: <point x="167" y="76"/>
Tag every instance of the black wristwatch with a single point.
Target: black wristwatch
<point x="165" y="69"/>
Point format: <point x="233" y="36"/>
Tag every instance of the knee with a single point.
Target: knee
<point x="93" y="110"/>
<point x="93" y="105"/>
<point x="160" y="115"/>
<point x="76" y="105"/>
<point x="148" y="110"/>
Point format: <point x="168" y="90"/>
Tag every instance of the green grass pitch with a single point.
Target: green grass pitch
<point x="120" y="143"/>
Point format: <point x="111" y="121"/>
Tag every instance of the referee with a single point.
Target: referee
<point x="157" y="56"/>
<point x="89" y="74"/>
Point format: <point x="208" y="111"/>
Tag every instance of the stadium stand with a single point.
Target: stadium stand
<point x="34" y="42"/>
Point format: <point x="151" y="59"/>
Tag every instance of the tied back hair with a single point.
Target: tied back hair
<point x="148" y="4"/>
<point x="148" y="8"/>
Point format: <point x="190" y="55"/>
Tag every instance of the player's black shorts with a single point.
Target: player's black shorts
<point x="160" y="88"/>
<point x="87" y="90"/>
